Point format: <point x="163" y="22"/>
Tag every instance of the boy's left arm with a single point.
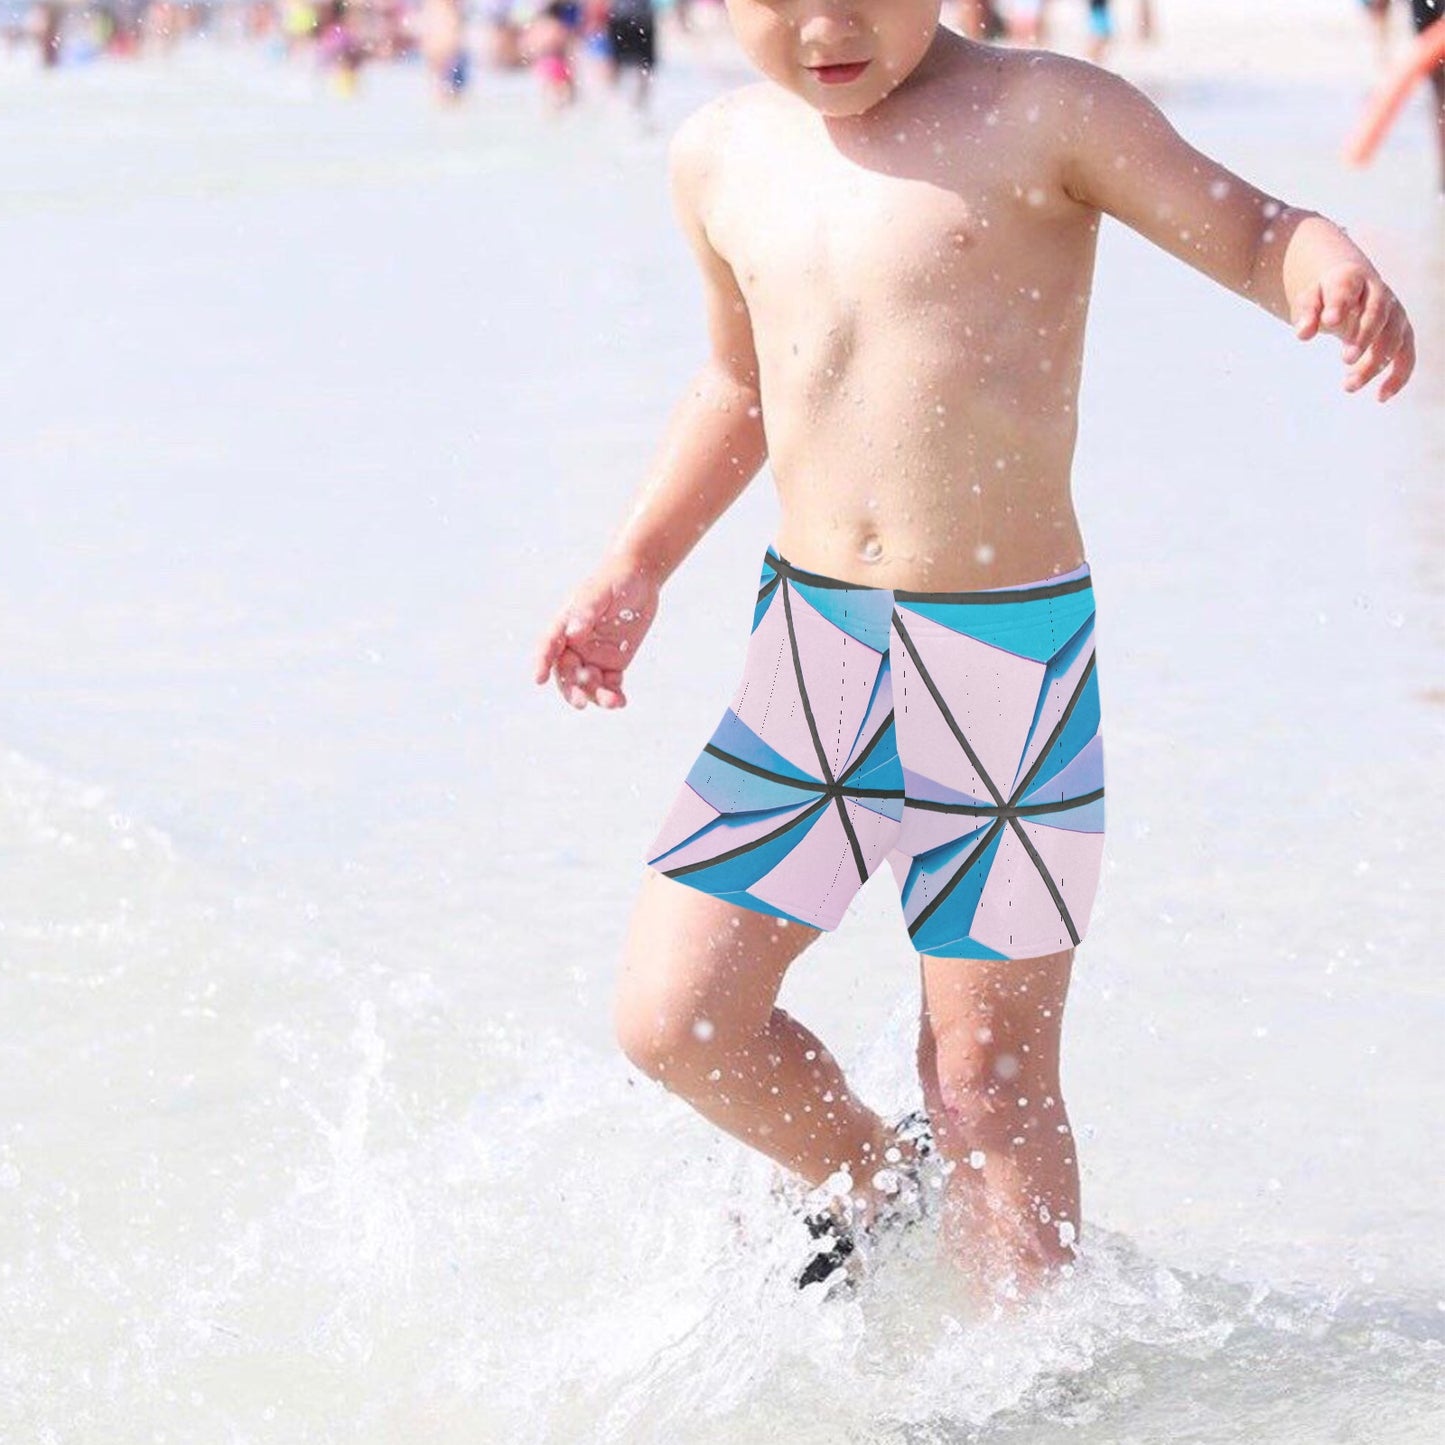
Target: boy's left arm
<point x="1122" y="156"/>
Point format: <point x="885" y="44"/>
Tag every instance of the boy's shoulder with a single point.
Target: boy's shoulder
<point x="1034" y="75"/>
<point x="709" y="123"/>
<point x="708" y="134"/>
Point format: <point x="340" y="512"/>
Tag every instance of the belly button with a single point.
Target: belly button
<point x="872" y="549"/>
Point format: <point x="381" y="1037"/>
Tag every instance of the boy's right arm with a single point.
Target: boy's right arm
<point x="711" y="449"/>
<point x="714" y="444"/>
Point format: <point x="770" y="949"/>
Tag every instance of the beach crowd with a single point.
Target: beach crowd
<point x="557" y="40"/>
<point x="554" y="38"/>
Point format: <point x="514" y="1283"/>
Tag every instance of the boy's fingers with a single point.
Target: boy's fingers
<point x="1376" y="315"/>
<point x="1400" y="368"/>
<point x="1381" y="350"/>
<point x="567" y="683"/>
<point x="543" y="658"/>
<point x="1307" y="320"/>
<point x="552" y="648"/>
<point x="1341" y="297"/>
<point x="582" y="681"/>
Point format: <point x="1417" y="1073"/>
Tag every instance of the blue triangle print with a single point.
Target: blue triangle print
<point x="1035" y="629"/>
<point x="863" y="613"/>
<point x="734" y="736"/>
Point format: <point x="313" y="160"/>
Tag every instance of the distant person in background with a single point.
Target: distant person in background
<point x="46" y="22"/>
<point x="631" y="33"/>
<point x="1379" y="12"/>
<point x="1026" y="21"/>
<point x="1101" y="30"/>
<point x="596" y="42"/>
<point x="547" y="44"/>
<point x="1427" y="13"/>
<point x="978" y="19"/>
<point x="441" y="38"/>
<point x="337" y="46"/>
<point x="298" y="25"/>
<point x="504" y="36"/>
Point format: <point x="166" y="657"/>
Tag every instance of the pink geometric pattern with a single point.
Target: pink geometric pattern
<point x="954" y="734"/>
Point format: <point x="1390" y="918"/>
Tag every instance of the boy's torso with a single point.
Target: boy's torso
<point x="917" y="281"/>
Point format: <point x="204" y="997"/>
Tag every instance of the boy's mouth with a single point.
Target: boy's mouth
<point x="839" y="74"/>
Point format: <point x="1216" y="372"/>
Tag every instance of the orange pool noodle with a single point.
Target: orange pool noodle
<point x="1427" y="52"/>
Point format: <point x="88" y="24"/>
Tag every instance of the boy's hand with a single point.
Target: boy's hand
<point x="1351" y="301"/>
<point x="597" y="634"/>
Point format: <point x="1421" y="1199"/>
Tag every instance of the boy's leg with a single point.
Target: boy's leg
<point x="696" y="1011"/>
<point x="988" y="1060"/>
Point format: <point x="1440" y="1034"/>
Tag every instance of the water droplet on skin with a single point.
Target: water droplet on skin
<point x="1219" y="190"/>
<point x="976" y="1159"/>
<point x="872" y="549"/>
<point x="627" y="614"/>
<point x="703" y="1029"/>
<point x="983" y="553"/>
<point x="1270" y="209"/>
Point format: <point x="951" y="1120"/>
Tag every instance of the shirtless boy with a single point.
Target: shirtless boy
<point x="897" y="229"/>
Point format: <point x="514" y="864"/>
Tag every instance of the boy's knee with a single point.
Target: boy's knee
<point x="667" y="1042"/>
<point x="987" y="1083"/>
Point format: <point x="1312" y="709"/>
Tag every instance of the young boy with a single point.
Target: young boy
<point x="896" y="230"/>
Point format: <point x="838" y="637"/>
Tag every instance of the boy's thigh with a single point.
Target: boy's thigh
<point x="691" y="957"/>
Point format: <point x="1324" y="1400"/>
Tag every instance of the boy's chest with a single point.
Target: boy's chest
<point x="855" y="240"/>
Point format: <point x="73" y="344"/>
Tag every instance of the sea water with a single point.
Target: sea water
<point x="312" y="1122"/>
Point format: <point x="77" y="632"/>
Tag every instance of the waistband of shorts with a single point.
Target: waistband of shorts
<point x="1075" y="580"/>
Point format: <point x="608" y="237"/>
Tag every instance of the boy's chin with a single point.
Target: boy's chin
<point x="841" y="110"/>
<point x="839" y="107"/>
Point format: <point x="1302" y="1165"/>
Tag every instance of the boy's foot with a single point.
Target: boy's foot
<point x="835" y="1243"/>
<point x="841" y="1243"/>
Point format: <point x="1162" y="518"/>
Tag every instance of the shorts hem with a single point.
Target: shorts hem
<point x="983" y="954"/>
<point x="747" y="901"/>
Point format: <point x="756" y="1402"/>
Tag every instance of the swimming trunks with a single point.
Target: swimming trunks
<point x="955" y="734"/>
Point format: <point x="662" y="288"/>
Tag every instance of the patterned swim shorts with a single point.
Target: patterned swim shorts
<point x="955" y="734"/>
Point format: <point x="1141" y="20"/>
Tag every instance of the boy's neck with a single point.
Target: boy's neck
<point x="946" y="54"/>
